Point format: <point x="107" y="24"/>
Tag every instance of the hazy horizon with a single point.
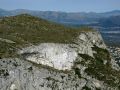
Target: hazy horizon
<point x="98" y="6"/>
<point x="60" y="11"/>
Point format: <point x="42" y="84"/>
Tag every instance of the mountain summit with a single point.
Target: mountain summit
<point x="36" y="54"/>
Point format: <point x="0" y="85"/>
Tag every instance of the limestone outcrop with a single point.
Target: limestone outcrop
<point x="62" y="56"/>
<point x="81" y="65"/>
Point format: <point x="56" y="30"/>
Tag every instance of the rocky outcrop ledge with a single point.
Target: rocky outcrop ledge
<point x="62" y="56"/>
<point x="83" y="64"/>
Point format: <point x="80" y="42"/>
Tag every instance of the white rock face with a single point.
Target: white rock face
<point x="62" y="56"/>
<point x="59" y="56"/>
<point x="20" y="74"/>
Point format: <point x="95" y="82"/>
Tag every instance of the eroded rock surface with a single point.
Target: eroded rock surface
<point x="62" y="56"/>
<point x="59" y="56"/>
<point x="24" y="75"/>
<point x="84" y="64"/>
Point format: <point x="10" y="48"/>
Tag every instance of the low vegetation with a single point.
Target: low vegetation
<point x="7" y="50"/>
<point x="97" y="68"/>
<point x="26" y="30"/>
<point x="103" y="71"/>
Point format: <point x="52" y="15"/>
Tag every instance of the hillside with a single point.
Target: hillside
<point x="36" y="54"/>
<point x="26" y="30"/>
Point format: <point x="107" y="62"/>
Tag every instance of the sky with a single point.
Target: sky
<point x="62" y="5"/>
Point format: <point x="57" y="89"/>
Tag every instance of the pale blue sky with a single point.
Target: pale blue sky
<point x="62" y="5"/>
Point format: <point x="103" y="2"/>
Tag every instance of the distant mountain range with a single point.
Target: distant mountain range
<point x="112" y="21"/>
<point x="106" y="19"/>
<point x="106" y="22"/>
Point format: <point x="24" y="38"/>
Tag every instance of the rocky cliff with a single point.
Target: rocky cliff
<point x="82" y="64"/>
<point x="62" y="56"/>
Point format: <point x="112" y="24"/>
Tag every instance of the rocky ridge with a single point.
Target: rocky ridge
<point x="29" y="73"/>
<point x="83" y="64"/>
<point x="62" y="56"/>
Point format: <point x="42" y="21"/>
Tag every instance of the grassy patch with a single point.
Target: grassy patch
<point x="7" y="50"/>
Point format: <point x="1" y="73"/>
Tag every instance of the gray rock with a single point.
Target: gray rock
<point x="51" y="66"/>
